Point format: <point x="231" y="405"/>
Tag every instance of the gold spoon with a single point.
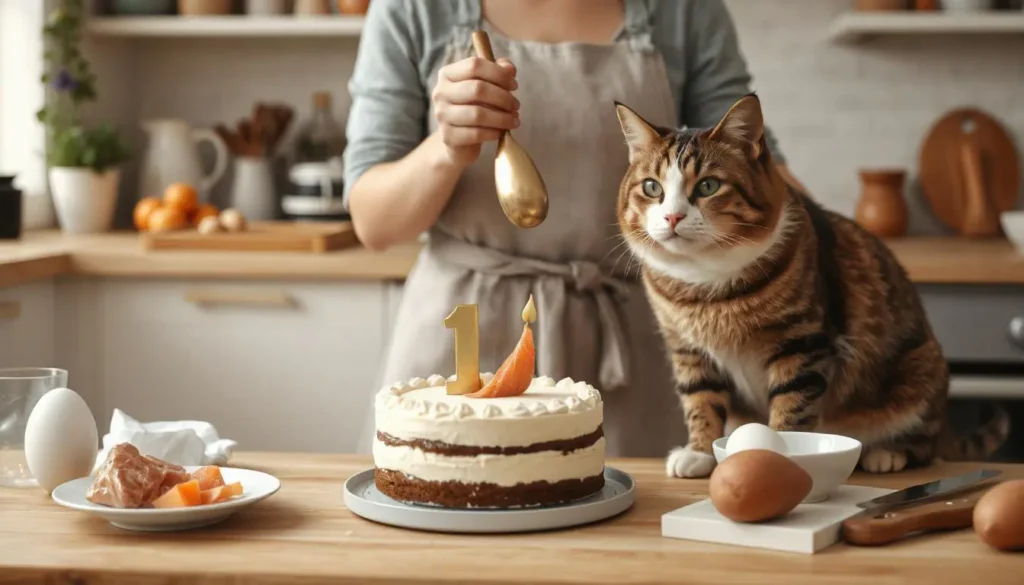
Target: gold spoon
<point x="521" y="190"/>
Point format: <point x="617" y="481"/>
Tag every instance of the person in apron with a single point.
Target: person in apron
<point x="594" y="322"/>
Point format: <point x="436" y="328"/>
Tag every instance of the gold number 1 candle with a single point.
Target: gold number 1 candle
<point x="465" y="322"/>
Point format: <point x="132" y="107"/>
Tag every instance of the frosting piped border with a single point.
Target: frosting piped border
<point x="578" y="397"/>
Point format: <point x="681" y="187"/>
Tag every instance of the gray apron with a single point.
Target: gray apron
<point x="594" y="323"/>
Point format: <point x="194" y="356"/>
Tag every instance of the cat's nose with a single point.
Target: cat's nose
<point x="673" y="219"/>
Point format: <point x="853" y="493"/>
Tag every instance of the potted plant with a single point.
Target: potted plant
<point x="84" y="162"/>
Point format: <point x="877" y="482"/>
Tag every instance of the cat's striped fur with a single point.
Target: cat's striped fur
<point x="774" y="309"/>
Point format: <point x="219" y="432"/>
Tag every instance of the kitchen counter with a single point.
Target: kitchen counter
<point x="46" y="254"/>
<point x="304" y="534"/>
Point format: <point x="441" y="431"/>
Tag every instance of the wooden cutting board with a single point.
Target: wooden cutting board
<point x="315" y="237"/>
<point x="970" y="172"/>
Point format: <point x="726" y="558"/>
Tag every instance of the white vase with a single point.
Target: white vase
<point x="84" y="199"/>
<point x="966" y="5"/>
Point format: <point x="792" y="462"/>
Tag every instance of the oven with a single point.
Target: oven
<point x="981" y="329"/>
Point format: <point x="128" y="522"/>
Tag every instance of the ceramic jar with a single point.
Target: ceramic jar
<point x="10" y="209"/>
<point x="353" y="7"/>
<point x="882" y="210"/>
<point x="876" y="5"/>
<point x="204" y="7"/>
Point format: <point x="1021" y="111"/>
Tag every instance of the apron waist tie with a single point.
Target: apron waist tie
<point x="584" y="276"/>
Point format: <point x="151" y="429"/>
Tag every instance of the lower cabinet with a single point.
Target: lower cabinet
<point x="279" y="366"/>
<point x="27" y="326"/>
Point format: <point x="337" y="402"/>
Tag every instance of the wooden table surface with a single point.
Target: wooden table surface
<point x="304" y="534"/>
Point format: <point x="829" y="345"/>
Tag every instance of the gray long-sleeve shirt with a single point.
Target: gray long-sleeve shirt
<point x="403" y="45"/>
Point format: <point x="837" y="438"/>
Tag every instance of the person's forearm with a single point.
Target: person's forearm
<point x="396" y="201"/>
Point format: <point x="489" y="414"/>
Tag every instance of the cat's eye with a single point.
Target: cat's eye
<point x="652" y="188"/>
<point x="708" y="187"/>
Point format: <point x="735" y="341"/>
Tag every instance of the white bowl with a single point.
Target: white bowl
<point x="1013" y="227"/>
<point x="828" y="459"/>
<point x="256" y="486"/>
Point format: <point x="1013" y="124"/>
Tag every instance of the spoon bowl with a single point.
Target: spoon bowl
<point x="521" y="190"/>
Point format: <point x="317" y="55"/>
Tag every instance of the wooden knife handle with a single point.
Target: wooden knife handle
<point x="482" y="45"/>
<point x="875" y="527"/>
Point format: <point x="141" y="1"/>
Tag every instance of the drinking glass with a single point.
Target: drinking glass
<point x="20" y="390"/>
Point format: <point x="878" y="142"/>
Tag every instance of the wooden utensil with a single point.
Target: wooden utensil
<point x="521" y="190"/>
<point x="877" y="527"/>
<point x="969" y="172"/>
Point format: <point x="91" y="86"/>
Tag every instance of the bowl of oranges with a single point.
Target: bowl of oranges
<point x="179" y="209"/>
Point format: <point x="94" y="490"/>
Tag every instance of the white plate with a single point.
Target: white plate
<point x="363" y="498"/>
<point x="256" y="486"/>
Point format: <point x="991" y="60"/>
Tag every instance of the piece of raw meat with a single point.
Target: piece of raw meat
<point x="128" y="479"/>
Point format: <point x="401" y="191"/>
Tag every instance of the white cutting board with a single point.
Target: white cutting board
<point x="808" y="529"/>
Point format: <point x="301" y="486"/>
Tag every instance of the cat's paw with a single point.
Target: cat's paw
<point x="883" y="460"/>
<point x="685" y="462"/>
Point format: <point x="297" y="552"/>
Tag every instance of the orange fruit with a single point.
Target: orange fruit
<point x="514" y="376"/>
<point x="140" y="216"/>
<point x="183" y="197"/>
<point x="204" y="210"/>
<point x="166" y="219"/>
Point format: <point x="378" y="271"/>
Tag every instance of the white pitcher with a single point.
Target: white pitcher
<point x="173" y="157"/>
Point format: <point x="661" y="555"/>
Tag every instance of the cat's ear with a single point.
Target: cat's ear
<point x="640" y="135"/>
<point x="743" y="123"/>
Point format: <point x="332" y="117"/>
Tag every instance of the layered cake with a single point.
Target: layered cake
<point x="544" y="446"/>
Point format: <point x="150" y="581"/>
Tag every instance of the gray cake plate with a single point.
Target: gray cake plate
<point x="363" y="498"/>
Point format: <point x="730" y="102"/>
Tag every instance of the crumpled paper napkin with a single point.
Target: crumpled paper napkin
<point x="185" y="442"/>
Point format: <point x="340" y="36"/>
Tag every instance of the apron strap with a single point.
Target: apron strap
<point x="582" y="276"/>
<point x="636" y="29"/>
<point x="469" y="18"/>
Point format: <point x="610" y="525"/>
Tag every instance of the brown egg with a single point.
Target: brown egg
<point x="999" y="516"/>
<point x="758" y="485"/>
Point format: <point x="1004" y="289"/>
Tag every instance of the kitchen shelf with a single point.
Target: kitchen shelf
<point x="226" y="26"/>
<point x="857" y="26"/>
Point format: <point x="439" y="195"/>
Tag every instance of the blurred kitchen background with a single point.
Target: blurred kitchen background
<point x="847" y="85"/>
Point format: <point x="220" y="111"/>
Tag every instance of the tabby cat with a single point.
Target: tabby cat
<point x="776" y="310"/>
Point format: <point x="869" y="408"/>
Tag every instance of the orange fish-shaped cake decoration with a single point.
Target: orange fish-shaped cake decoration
<point x="515" y="375"/>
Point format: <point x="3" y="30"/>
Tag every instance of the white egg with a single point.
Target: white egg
<point x="754" y="436"/>
<point x="61" y="440"/>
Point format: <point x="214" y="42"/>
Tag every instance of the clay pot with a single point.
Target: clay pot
<point x="882" y="209"/>
<point x="204" y="7"/>
<point x="926" y="5"/>
<point x="874" y="5"/>
<point x="353" y="6"/>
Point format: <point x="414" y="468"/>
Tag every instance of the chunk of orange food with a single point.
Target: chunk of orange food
<point x="514" y="376"/>
<point x="209" y="477"/>
<point x="182" y="495"/>
<point x="222" y="493"/>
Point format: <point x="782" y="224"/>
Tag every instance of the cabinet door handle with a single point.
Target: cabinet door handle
<point x="9" y="310"/>
<point x="277" y="299"/>
<point x="1016" y="331"/>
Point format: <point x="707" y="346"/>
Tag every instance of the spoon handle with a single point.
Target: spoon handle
<point x="482" y="45"/>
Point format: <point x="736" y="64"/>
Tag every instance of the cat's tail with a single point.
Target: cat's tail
<point x="981" y="442"/>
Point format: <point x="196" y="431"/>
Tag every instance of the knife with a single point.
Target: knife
<point x="946" y="504"/>
<point x="928" y="491"/>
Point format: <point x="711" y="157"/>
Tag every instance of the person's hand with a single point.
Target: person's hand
<point x="473" y="104"/>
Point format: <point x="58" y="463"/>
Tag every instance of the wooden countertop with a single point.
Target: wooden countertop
<point x="304" y="534"/>
<point x="45" y="254"/>
<point x="49" y="253"/>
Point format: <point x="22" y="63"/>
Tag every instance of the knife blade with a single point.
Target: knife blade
<point x="933" y="489"/>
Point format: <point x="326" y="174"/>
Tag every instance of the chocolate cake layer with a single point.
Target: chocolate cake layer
<point x="442" y="448"/>
<point x="453" y="494"/>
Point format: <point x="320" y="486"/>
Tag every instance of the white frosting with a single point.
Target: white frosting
<point x="547" y="411"/>
<point x="503" y="470"/>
